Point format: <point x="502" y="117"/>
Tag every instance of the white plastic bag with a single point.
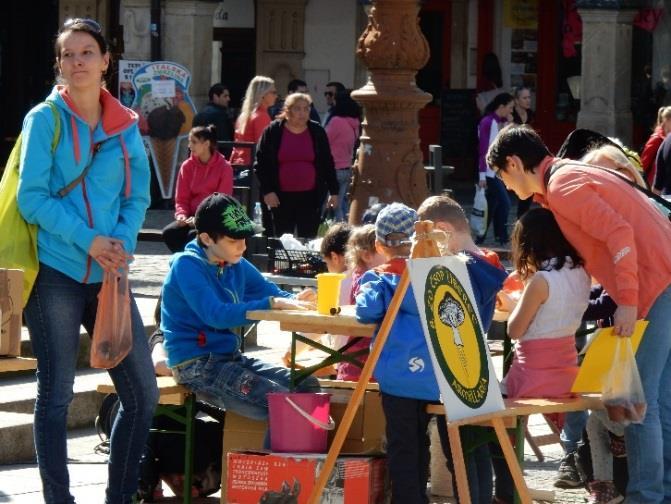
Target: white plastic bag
<point x="291" y="243"/>
<point x="623" y="395"/>
<point x="479" y="212"/>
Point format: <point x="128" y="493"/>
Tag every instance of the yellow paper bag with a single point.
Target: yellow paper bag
<point x="599" y="358"/>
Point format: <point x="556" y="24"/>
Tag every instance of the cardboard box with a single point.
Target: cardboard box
<point x="240" y="433"/>
<point x="285" y="477"/>
<point x="366" y="435"/>
<point x="367" y="432"/>
<point x="11" y="304"/>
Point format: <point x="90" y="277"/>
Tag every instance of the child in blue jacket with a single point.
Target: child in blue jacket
<point x="404" y="370"/>
<point x="206" y="295"/>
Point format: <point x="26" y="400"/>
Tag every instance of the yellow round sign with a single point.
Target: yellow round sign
<point x="456" y="336"/>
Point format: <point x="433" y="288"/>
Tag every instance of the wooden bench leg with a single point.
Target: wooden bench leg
<point x="189" y="431"/>
<point x="511" y="460"/>
<point x="459" y="465"/>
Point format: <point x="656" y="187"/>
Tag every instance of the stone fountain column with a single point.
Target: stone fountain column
<point x="389" y="163"/>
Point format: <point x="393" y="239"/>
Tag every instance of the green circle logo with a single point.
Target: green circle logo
<point x="456" y="336"/>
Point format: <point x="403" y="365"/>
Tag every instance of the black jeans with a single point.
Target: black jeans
<point x="177" y="236"/>
<point x="299" y="213"/>
<point x="407" y="448"/>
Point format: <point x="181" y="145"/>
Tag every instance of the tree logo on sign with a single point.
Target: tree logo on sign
<point x="456" y="336"/>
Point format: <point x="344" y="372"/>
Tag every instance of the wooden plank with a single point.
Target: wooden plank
<point x="460" y="476"/>
<point x="170" y="392"/>
<point x="9" y="364"/>
<point x="344" y="384"/>
<point x="526" y="407"/>
<point x="291" y="281"/>
<point x="310" y="321"/>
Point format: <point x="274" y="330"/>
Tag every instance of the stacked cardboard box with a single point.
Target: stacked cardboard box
<point x="11" y="289"/>
<point x="285" y="477"/>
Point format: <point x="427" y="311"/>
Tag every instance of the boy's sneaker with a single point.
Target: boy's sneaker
<point x="568" y="475"/>
<point x="604" y="492"/>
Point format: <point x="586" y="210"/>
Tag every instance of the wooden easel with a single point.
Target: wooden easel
<point x="425" y="246"/>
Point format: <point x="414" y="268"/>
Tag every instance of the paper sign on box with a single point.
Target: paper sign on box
<point x="11" y="290"/>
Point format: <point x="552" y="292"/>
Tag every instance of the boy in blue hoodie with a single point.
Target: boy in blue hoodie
<point x="404" y="370"/>
<point x="206" y="295"/>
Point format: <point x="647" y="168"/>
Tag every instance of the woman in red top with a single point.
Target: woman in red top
<point x="205" y="172"/>
<point x="254" y="117"/>
<point x="649" y="154"/>
<point x="295" y="169"/>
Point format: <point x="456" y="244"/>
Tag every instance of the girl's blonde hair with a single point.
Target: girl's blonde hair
<point x="291" y="101"/>
<point x="619" y="162"/>
<point x="663" y="114"/>
<point x="361" y="239"/>
<point x="256" y="90"/>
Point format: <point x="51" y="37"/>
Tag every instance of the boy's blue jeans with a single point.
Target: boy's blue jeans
<point x="57" y="307"/>
<point x="649" y="443"/>
<point x="237" y="383"/>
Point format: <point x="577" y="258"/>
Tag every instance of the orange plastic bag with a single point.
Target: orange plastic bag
<point x="112" y="335"/>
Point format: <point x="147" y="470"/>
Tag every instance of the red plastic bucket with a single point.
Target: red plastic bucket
<point x="299" y="421"/>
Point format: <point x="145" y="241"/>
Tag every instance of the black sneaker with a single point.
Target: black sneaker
<point x="568" y="475"/>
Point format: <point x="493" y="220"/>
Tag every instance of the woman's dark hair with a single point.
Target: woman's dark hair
<point x="208" y="133"/>
<point x="335" y="239"/>
<point x="84" y="25"/>
<point x="536" y="239"/>
<point x="499" y="99"/>
<point x="491" y="70"/>
<point x="517" y="140"/>
<point x="345" y="106"/>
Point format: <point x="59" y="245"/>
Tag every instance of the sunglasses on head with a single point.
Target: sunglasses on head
<point x="69" y="23"/>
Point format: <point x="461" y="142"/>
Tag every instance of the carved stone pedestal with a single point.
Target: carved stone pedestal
<point x="389" y="166"/>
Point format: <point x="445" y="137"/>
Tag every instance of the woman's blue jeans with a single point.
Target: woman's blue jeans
<point x="498" y="208"/>
<point x="649" y="443"/>
<point x="57" y="307"/>
<point x="344" y="176"/>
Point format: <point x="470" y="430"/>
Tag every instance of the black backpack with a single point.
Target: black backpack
<point x="163" y="457"/>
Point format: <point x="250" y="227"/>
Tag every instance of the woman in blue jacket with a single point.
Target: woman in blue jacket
<point x="90" y="229"/>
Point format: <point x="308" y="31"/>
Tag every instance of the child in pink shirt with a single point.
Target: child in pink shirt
<point x="361" y="256"/>
<point x="205" y="172"/>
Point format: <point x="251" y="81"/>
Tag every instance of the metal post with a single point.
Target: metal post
<point x="436" y="160"/>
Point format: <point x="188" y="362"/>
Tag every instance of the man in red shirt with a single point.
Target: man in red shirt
<point x="625" y="242"/>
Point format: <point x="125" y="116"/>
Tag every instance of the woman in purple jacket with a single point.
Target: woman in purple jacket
<point x="497" y="114"/>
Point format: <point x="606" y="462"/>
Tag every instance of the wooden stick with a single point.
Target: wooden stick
<point x="420" y="249"/>
<point x="460" y="476"/>
<point x="511" y="460"/>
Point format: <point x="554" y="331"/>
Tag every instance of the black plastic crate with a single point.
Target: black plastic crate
<point x="290" y="262"/>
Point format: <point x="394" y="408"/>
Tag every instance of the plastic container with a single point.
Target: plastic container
<point x="299" y="421"/>
<point x="303" y="263"/>
<point x="328" y="293"/>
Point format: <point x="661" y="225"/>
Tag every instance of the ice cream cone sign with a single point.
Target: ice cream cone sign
<point x="166" y="111"/>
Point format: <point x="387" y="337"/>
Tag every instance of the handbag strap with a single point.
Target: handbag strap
<point x="665" y="203"/>
<point x="54" y="143"/>
<point x="64" y="192"/>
